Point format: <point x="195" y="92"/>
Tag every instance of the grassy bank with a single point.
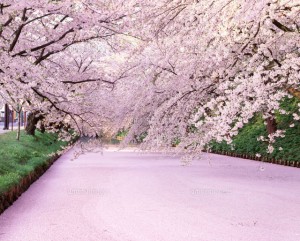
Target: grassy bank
<point x="19" y="158"/>
<point x="287" y="148"/>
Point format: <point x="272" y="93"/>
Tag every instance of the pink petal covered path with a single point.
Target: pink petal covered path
<point x="128" y="196"/>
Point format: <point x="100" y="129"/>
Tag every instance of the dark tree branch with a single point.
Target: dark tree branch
<point x="281" y="26"/>
<point x="46" y="44"/>
<point x="88" y="80"/>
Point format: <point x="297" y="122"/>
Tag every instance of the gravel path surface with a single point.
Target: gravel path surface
<point x="127" y="196"/>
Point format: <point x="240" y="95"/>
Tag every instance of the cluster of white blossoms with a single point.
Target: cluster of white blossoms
<point x="55" y="61"/>
<point x="205" y="68"/>
<point x="182" y="73"/>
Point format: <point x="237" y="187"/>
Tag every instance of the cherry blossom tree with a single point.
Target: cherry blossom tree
<point x="207" y="67"/>
<point x="38" y="66"/>
<point x="181" y="72"/>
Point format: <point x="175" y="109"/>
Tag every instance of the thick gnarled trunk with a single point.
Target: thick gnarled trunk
<point x="32" y="121"/>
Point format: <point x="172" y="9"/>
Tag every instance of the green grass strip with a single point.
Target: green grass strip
<point x="20" y="158"/>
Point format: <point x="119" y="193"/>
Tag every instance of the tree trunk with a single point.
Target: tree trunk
<point x="32" y="121"/>
<point x="6" y="118"/>
<point x="271" y="125"/>
<point x="19" y="125"/>
<point x="42" y="128"/>
<point x="12" y="120"/>
<point x="294" y="92"/>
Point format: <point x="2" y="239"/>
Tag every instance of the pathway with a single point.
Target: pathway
<point x="4" y="131"/>
<point x="126" y="196"/>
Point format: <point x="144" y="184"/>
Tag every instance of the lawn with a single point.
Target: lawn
<point x="19" y="158"/>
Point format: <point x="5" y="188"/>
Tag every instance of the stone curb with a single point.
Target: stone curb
<point x="262" y="159"/>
